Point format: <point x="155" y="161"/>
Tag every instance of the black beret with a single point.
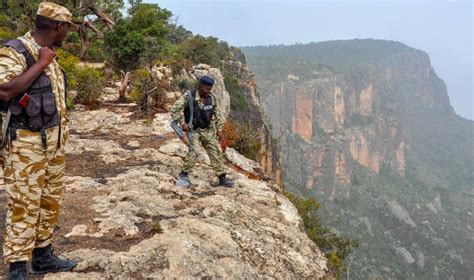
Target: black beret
<point x="206" y="80"/>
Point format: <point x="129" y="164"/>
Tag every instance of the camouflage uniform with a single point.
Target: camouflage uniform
<point x="33" y="175"/>
<point x="207" y="137"/>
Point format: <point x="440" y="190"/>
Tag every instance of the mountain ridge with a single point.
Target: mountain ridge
<point x="375" y="139"/>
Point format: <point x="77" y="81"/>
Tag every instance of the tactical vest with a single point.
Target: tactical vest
<point x="201" y="117"/>
<point x="40" y="111"/>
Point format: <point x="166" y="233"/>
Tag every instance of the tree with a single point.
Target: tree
<point x="94" y="15"/>
<point x="138" y="40"/>
<point x="207" y="50"/>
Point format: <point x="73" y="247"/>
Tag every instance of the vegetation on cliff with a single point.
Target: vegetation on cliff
<point x="410" y="224"/>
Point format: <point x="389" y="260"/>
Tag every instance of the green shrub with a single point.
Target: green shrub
<point x="335" y="247"/>
<point x="4" y="20"/>
<point x="69" y="104"/>
<point x="237" y="97"/>
<point x="69" y="63"/>
<point x="157" y="227"/>
<point x="6" y="34"/>
<point x="207" y="50"/>
<point x="87" y="81"/>
<point x="244" y="138"/>
<point x="96" y="52"/>
<point x="182" y="84"/>
<point x="142" y="88"/>
<point x="90" y="83"/>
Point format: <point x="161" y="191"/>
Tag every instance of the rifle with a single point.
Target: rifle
<point x="5" y="127"/>
<point x="177" y="129"/>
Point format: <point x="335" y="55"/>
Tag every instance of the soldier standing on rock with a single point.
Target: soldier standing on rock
<point x="207" y="122"/>
<point x="33" y="86"/>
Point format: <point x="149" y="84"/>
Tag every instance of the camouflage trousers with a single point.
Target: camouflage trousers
<point x="34" y="184"/>
<point x="209" y="141"/>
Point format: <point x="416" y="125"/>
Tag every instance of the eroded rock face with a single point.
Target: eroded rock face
<point x="253" y="114"/>
<point x="325" y="124"/>
<point x="249" y="231"/>
<point x="387" y="155"/>
<point x="218" y="89"/>
<point x="303" y="118"/>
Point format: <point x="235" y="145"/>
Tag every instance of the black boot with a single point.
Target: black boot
<point x="183" y="180"/>
<point x="18" y="271"/>
<point x="223" y="181"/>
<point x="45" y="261"/>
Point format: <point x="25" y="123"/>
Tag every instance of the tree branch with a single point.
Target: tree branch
<point x="104" y="17"/>
<point x="84" y="41"/>
<point x="93" y="28"/>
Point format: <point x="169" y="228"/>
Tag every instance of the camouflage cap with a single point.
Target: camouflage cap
<point x="56" y="12"/>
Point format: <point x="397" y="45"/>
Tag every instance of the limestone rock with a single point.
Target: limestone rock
<point x="405" y="255"/>
<point x="401" y="213"/>
<point x="249" y="231"/>
<point x="162" y="76"/>
<point x="218" y="89"/>
<point x="80" y="183"/>
<point x="244" y="163"/>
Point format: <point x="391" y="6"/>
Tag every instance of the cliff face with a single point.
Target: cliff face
<point x="332" y="123"/>
<point x="366" y="126"/>
<point x="253" y="114"/>
<point x="327" y="122"/>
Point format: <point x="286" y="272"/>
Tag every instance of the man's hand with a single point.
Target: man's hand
<point x="21" y="83"/>
<point x="46" y="56"/>
<point x="220" y="135"/>
<point x="186" y="127"/>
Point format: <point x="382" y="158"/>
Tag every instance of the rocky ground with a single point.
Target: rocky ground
<point x="124" y="218"/>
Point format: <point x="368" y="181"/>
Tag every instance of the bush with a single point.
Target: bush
<point x="87" y="81"/>
<point x="6" y="34"/>
<point x="89" y="85"/>
<point x="4" y="20"/>
<point x="334" y="246"/>
<point x="69" y="63"/>
<point x="157" y="227"/>
<point x="237" y="97"/>
<point x="207" y="50"/>
<point x="96" y="52"/>
<point x="182" y="84"/>
<point x="143" y="89"/>
<point x="244" y="138"/>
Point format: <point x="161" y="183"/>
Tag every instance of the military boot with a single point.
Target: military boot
<point x="18" y="271"/>
<point x="183" y="180"/>
<point x="224" y="182"/>
<point x="44" y="261"/>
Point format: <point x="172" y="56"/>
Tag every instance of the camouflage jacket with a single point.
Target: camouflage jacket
<point x="13" y="64"/>
<point x="177" y="111"/>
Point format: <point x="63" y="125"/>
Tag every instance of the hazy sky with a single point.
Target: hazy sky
<point x="441" y="28"/>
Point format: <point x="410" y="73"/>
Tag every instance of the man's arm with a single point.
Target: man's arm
<point x="22" y="82"/>
<point x="220" y="119"/>
<point x="177" y="109"/>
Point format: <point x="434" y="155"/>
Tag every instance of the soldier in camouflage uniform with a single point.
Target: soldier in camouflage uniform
<point x="33" y="86"/>
<point x="207" y="124"/>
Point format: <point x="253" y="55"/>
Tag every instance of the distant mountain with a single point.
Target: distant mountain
<point x="366" y="126"/>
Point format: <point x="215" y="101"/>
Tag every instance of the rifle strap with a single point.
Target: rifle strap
<point x="191" y="108"/>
